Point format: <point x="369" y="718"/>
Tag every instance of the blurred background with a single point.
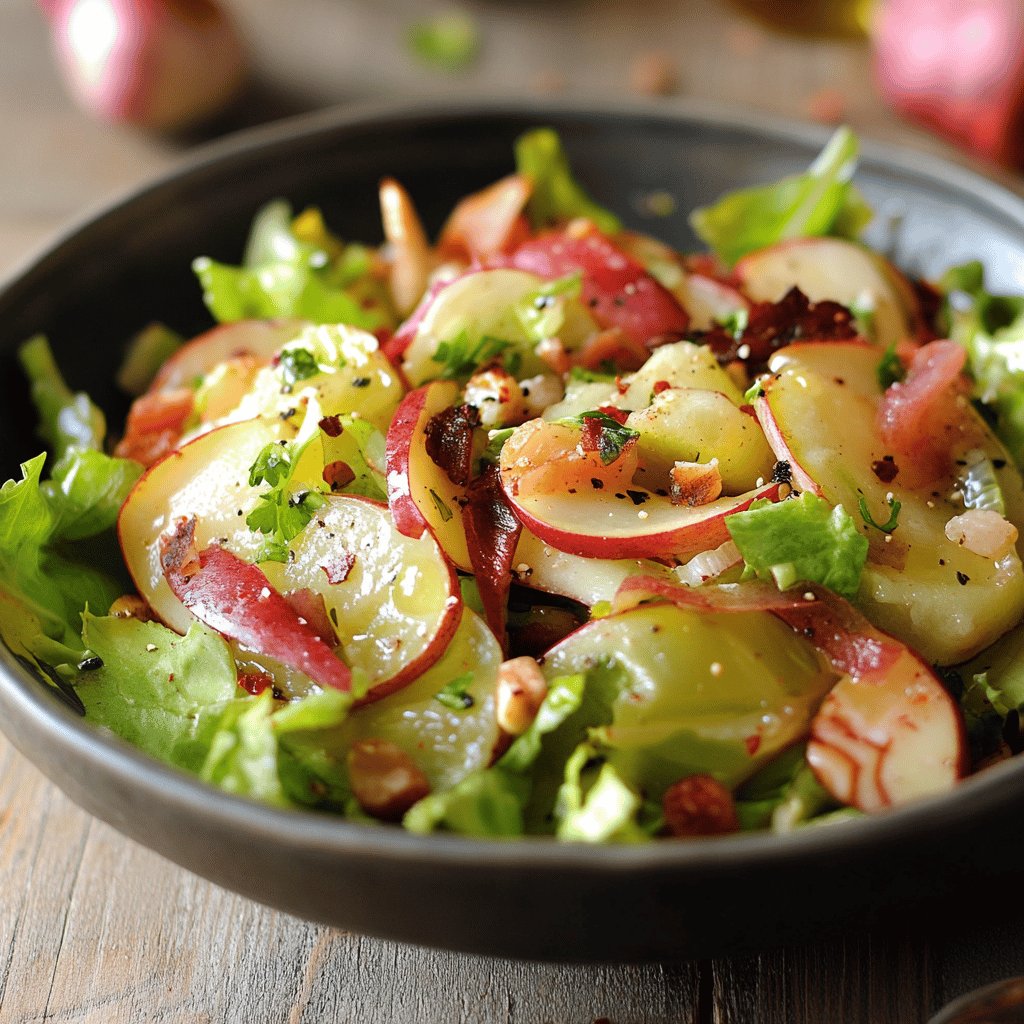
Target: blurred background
<point x="99" y="95"/>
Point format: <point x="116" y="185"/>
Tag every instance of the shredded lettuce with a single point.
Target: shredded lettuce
<point x="784" y="795"/>
<point x="286" y="274"/>
<point x="177" y="698"/>
<point x="822" y="201"/>
<point x="557" y="196"/>
<point x="991" y="328"/>
<point x="802" y="539"/>
<point x="599" y="812"/>
<point x="492" y="802"/>
<point x="66" y="419"/>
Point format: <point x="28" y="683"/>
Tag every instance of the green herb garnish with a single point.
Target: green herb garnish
<point x="894" y="515"/>
<point x="455" y="694"/>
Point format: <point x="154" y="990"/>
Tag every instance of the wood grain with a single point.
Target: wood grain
<point x="97" y="930"/>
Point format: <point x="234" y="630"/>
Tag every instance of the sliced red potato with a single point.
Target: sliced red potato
<point x="208" y="480"/>
<point x="260" y="339"/>
<point x="708" y="301"/>
<point x="486" y="303"/>
<point x="587" y="580"/>
<point x="573" y="501"/>
<point x="679" y="365"/>
<point x="421" y="495"/>
<point x="713" y="692"/>
<point x="616" y="289"/>
<point x="693" y="425"/>
<point x="447" y="743"/>
<point x="354" y="376"/>
<point x="835" y="269"/>
<point x="235" y="599"/>
<point x="888" y="732"/>
<point x="393" y="600"/>
<point x="819" y="410"/>
<point x="412" y="259"/>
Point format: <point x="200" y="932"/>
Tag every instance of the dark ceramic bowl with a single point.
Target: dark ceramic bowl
<point x="535" y="899"/>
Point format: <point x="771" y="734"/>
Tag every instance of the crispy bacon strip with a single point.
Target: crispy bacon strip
<point x="492" y="532"/>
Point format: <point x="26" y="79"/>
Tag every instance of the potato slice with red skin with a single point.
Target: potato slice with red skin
<point x="615" y="288"/>
<point x="888" y="732"/>
<point x="236" y="599"/>
<point x="196" y="358"/>
<point x="569" y="499"/>
<point x="420" y="494"/>
<point x="394" y="601"/>
<point x="819" y="410"/>
<point x="835" y="269"/>
<point x="395" y="607"/>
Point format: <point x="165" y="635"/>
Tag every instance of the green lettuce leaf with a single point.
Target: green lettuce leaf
<point x="822" y="201"/>
<point x="86" y="491"/>
<point x="557" y="196"/>
<point x="991" y="328"/>
<point x="37" y="569"/>
<point x="66" y="418"/>
<point x="161" y="692"/>
<point x="491" y="802"/>
<point x="799" y="540"/>
<point x="600" y="810"/>
<point x="311" y="277"/>
<point x="177" y="698"/>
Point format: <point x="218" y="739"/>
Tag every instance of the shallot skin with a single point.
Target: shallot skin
<point x="155" y="64"/>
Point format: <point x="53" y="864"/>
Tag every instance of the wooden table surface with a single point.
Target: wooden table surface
<point x="94" y="928"/>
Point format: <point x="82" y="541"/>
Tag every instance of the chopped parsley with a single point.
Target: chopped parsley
<point x="603" y="434"/>
<point x="894" y="515"/>
<point x="282" y="514"/>
<point x="298" y="364"/>
<point x="454" y="695"/>
<point x="443" y="510"/>
<point x="890" y="370"/>
<point x="460" y="357"/>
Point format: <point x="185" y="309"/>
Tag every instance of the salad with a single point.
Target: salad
<point x="543" y="527"/>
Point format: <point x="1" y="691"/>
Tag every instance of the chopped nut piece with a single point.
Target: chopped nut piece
<point x="695" y="483"/>
<point x="699" y="805"/>
<point x="384" y="778"/>
<point x="541" y="391"/>
<point x="497" y="396"/>
<point x="983" y="532"/>
<point x="521" y="690"/>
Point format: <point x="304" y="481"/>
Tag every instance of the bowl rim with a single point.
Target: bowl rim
<point x="319" y="831"/>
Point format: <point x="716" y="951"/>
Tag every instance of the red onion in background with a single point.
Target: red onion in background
<point x="159" y="64"/>
<point x="956" y="66"/>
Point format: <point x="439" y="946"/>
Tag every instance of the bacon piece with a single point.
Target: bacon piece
<point x="448" y="439"/>
<point x="492" y="532"/>
<point x="774" y="325"/>
<point x="154" y="425"/>
<point x="920" y="419"/>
